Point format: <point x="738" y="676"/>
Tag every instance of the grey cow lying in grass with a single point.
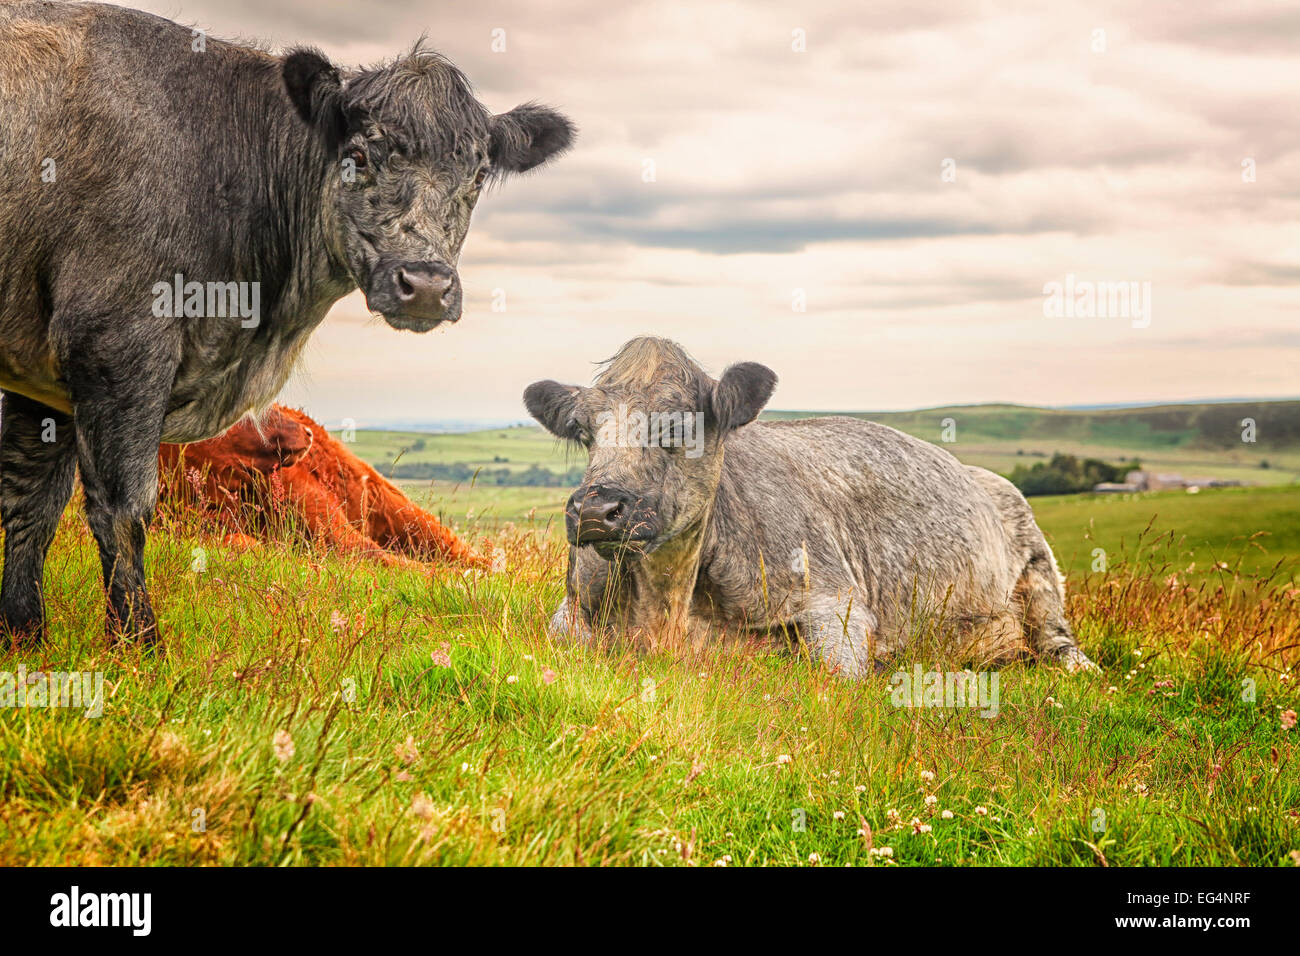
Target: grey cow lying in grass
<point x="850" y="536"/>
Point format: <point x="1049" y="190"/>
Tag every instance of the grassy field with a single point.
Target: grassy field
<point x="511" y="448"/>
<point x="314" y="709"/>
<point x="489" y="506"/>
<point x="1251" y="529"/>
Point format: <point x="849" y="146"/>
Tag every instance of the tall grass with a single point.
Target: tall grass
<point x="316" y="709"/>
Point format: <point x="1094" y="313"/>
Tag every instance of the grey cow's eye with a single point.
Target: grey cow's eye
<point x="480" y="178"/>
<point x="359" y="158"/>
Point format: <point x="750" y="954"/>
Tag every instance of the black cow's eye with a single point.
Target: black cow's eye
<point x="481" y="177"/>
<point x="359" y="158"/>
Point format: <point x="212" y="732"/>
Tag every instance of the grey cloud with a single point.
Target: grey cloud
<point x="1236" y="27"/>
<point x="814" y="158"/>
<point x="1259" y="273"/>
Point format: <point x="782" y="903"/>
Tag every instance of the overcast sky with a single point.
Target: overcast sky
<point x="802" y="146"/>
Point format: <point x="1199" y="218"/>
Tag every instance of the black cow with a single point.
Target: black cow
<point x="178" y="214"/>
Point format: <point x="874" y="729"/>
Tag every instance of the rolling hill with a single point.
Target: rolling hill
<point x="1200" y="439"/>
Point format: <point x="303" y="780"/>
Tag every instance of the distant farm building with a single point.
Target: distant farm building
<point x="1115" y="487"/>
<point x="1161" y="481"/>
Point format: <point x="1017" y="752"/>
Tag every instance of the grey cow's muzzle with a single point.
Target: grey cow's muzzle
<point x="611" y="521"/>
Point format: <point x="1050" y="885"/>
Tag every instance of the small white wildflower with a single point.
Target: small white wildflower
<point x="407" y="751"/>
<point x="282" y="744"/>
<point x="422" y="806"/>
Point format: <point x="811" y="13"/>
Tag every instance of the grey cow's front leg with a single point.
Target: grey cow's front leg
<point x="589" y="597"/>
<point x="837" y="631"/>
<point x="37" y="469"/>
<point x="119" y="427"/>
<point x="568" y="621"/>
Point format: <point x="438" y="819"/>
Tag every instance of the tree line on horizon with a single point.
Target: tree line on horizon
<point x="1067" y="475"/>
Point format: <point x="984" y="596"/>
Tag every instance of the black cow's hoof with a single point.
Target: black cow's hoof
<point x="20" y="634"/>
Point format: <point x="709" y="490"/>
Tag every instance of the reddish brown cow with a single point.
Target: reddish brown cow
<point x="289" y="471"/>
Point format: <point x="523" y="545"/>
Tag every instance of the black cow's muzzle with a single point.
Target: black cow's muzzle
<point x="418" y="296"/>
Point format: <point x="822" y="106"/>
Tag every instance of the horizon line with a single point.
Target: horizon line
<point x="424" y="424"/>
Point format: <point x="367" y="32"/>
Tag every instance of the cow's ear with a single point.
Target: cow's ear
<point x="313" y="85"/>
<point x="294" y="445"/>
<point x="553" y="405"/>
<point x="741" y="394"/>
<point x="276" y="440"/>
<point x="528" y="136"/>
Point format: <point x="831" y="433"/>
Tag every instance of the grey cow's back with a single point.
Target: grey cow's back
<point x="885" y="517"/>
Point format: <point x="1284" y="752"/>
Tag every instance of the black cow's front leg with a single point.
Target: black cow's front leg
<point x="37" y="467"/>
<point x="119" y="426"/>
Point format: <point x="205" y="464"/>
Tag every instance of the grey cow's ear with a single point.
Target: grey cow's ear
<point x="553" y="404"/>
<point x="741" y="394"/>
<point x="313" y="85"/>
<point x="528" y="136"/>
